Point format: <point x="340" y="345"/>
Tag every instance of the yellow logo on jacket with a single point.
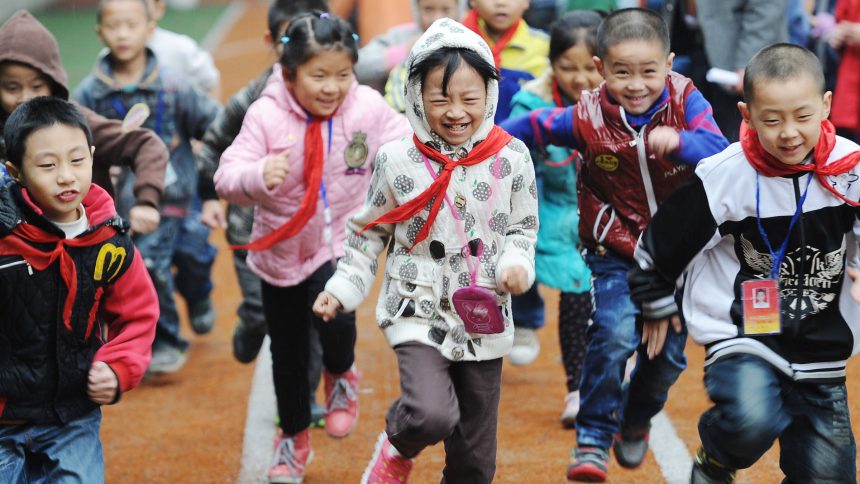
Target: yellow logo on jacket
<point x="117" y="257"/>
<point x="607" y="162"/>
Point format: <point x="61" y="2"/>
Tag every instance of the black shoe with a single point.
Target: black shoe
<point x="247" y="341"/>
<point x="202" y="316"/>
<point x="630" y="446"/>
<point x="708" y="471"/>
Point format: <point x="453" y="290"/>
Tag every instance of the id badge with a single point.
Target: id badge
<point x="761" y="307"/>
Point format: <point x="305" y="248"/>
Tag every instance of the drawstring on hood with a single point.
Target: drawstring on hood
<point x="447" y="33"/>
<point x="25" y="40"/>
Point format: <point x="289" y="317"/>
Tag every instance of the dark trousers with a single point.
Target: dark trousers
<point x="454" y="402"/>
<point x="754" y="404"/>
<point x="289" y="318"/>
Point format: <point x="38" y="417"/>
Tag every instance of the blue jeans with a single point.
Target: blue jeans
<point x="193" y="258"/>
<point x="612" y="338"/>
<point x="528" y="309"/>
<point x="157" y="249"/>
<point x="70" y="453"/>
<point x="754" y="404"/>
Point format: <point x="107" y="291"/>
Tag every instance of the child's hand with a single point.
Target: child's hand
<point x="663" y="141"/>
<point x="326" y="306"/>
<point x="276" y="169"/>
<point x="654" y="333"/>
<point x="143" y="219"/>
<point x="854" y="274"/>
<point x="213" y="215"/>
<point x="515" y="280"/>
<point x="102" y="383"/>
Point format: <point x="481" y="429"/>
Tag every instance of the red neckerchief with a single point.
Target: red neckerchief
<point x="470" y="21"/>
<point x="556" y="93"/>
<point x="19" y="243"/>
<point x="495" y="141"/>
<point x="313" y="170"/>
<point x="768" y="165"/>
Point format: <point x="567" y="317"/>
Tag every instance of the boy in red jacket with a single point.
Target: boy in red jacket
<point x="77" y="306"/>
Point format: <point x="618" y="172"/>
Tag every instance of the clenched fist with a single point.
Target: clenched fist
<point x="276" y="169"/>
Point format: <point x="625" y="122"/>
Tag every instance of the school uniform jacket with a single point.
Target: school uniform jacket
<point x="706" y="239"/>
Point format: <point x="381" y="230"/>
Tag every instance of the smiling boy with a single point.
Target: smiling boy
<point x="776" y="212"/>
<point x="639" y="134"/>
<point x="88" y="339"/>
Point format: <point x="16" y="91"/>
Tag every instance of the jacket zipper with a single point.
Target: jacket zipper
<point x="639" y="142"/>
<point x="18" y="263"/>
<point x="800" y="276"/>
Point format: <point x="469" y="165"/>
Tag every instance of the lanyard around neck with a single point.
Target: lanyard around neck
<point x="159" y="110"/>
<point x="780" y="254"/>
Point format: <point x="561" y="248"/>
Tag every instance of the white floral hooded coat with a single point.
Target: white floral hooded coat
<point x="500" y="209"/>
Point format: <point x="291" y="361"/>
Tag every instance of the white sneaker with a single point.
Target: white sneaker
<point x="526" y="347"/>
<point x="571" y="410"/>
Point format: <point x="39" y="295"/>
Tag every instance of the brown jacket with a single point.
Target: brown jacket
<point x="26" y="41"/>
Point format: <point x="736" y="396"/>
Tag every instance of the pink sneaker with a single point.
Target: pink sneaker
<point x="341" y="408"/>
<point x="292" y="456"/>
<point x="386" y="467"/>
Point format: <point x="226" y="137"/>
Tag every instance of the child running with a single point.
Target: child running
<point x="458" y="202"/>
<point x="776" y="212"/>
<point x="639" y="136"/>
<point x="302" y="159"/>
<point x="79" y="310"/>
<point x="558" y="262"/>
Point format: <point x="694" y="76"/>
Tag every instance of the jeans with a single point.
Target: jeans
<point x="612" y="338"/>
<point x="193" y="258"/>
<point x="157" y="249"/>
<point x="528" y="309"/>
<point x="70" y="453"/>
<point x="754" y="404"/>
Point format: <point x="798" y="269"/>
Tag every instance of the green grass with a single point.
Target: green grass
<point x="74" y="29"/>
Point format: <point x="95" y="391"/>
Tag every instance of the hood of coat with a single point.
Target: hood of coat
<point x="25" y="40"/>
<point x="447" y="33"/>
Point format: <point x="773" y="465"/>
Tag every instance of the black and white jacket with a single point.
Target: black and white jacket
<point x="704" y="241"/>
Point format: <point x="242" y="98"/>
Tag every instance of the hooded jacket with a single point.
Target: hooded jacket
<point x="44" y="361"/>
<point x="276" y="122"/>
<point x="26" y="41"/>
<point x="497" y="205"/>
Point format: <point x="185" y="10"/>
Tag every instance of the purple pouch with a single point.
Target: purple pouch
<point x="479" y="310"/>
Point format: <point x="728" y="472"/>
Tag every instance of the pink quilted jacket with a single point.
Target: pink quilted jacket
<point x="276" y="122"/>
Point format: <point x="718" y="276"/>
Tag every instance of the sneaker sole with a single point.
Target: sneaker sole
<point x="289" y="479"/>
<point x="380" y="441"/>
<point x="586" y="473"/>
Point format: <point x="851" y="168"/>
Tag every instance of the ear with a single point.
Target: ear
<point x="13" y="171"/>
<point x="599" y="65"/>
<point x="150" y="27"/>
<point x="268" y="40"/>
<point x="92" y="151"/>
<point x="670" y="60"/>
<point x="828" y="100"/>
<point x="745" y="111"/>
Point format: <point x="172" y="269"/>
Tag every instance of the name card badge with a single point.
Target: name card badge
<point x="761" y="307"/>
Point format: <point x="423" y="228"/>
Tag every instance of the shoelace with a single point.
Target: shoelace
<point x="341" y="394"/>
<point x="286" y="454"/>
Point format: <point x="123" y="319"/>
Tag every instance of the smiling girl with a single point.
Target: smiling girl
<point x="303" y="159"/>
<point x="460" y="202"/>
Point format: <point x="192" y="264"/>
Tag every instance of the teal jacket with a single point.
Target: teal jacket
<point x="558" y="262"/>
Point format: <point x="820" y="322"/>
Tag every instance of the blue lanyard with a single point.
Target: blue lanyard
<point x="159" y="110"/>
<point x="780" y="255"/>
<point x="327" y="218"/>
<point x="323" y="191"/>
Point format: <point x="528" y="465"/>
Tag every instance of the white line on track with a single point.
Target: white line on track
<point x="669" y="450"/>
<point x="259" y="423"/>
<point x="218" y="31"/>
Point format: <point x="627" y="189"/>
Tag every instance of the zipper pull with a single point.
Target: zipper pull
<point x="632" y="142"/>
<point x="29" y="269"/>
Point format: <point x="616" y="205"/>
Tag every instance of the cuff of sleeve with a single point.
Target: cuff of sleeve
<point x="511" y="260"/>
<point x="660" y="309"/>
<point x="206" y="189"/>
<point x="148" y="195"/>
<point x="345" y="292"/>
<point x="683" y="154"/>
<point x="123" y="377"/>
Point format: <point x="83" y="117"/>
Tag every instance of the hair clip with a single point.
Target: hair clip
<point x="285" y="40"/>
<point x="355" y="37"/>
<point x="324" y="15"/>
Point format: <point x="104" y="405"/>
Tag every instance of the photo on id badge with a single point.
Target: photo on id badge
<point x="761" y="307"/>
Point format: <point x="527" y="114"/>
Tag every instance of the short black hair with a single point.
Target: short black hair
<point x="450" y="57"/>
<point x="311" y="33"/>
<point x="571" y="29"/>
<point x="35" y="114"/>
<point x="284" y="10"/>
<point x="631" y="24"/>
<point x="782" y="62"/>
<point x="101" y="6"/>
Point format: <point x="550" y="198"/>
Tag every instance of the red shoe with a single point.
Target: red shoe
<point x="292" y="455"/>
<point x="341" y="408"/>
<point x="385" y="466"/>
